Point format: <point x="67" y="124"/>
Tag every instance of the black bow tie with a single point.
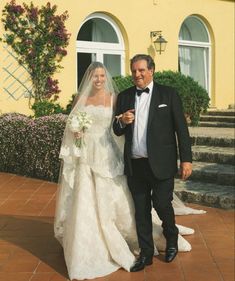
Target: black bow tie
<point x="139" y="92"/>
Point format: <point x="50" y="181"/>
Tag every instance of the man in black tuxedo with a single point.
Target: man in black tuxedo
<point x="150" y="116"/>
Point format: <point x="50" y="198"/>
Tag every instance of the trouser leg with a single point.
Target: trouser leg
<point x="141" y="193"/>
<point x="162" y="196"/>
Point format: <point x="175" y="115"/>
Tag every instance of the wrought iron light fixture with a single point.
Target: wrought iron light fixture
<point x="159" y="42"/>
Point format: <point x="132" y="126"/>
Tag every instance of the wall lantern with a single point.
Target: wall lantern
<point x="160" y="42"/>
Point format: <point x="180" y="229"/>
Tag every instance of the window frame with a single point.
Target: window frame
<point x="207" y="49"/>
<point x="101" y="48"/>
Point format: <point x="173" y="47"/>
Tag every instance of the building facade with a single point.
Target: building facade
<point x="199" y="34"/>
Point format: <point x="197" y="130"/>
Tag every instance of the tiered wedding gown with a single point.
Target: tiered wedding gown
<point x="94" y="219"/>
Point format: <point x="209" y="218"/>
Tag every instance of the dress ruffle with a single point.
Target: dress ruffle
<point x="94" y="220"/>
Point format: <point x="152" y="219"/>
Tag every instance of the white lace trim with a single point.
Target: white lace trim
<point x="94" y="218"/>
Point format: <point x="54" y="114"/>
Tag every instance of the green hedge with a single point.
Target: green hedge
<point x="31" y="147"/>
<point x="13" y="132"/>
<point x="43" y="146"/>
<point x="46" y="108"/>
<point x="194" y="97"/>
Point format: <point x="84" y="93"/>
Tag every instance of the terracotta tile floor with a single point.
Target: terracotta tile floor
<point x="29" y="252"/>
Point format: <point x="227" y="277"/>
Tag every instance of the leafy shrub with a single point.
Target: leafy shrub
<point x="42" y="147"/>
<point x="38" y="38"/>
<point x="70" y="104"/>
<point x="46" y="108"/>
<point x="194" y="97"/>
<point x="13" y="128"/>
<point x="123" y="82"/>
<point x="31" y="147"/>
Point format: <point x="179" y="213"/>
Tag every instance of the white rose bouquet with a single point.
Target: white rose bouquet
<point x="78" y="124"/>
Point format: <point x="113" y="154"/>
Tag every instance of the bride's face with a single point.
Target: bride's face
<point x="98" y="78"/>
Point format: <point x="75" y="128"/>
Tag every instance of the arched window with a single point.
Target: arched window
<point x="194" y="51"/>
<point x="99" y="39"/>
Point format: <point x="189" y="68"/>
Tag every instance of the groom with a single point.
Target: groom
<point x="150" y="116"/>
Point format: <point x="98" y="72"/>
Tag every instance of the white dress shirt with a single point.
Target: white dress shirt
<point x="142" y="103"/>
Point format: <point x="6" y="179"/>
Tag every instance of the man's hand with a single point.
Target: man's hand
<point x="185" y="170"/>
<point x="128" y="117"/>
<point x="78" y="135"/>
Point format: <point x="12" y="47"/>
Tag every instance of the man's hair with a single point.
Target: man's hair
<point x="147" y="58"/>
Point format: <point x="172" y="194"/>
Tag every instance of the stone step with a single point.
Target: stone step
<point x="212" y="137"/>
<point x="228" y="133"/>
<point x="222" y="112"/>
<point x="216" y="124"/>
<point x="214" y="154"/>
<point x="213" y="141"/>
<point x="205" y="193"/>
<point x="216" y="118"/>
<point x="213" y="173"/>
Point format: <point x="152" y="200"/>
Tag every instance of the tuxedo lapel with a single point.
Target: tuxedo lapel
<point x="153" y="103"/>
<point x="132" y="98"/>
<point x="132" y="104"/>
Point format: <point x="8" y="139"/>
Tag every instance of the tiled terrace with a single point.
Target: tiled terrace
<point x="29" y="252"/>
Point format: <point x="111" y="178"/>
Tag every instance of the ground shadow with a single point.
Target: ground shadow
<point x="35" y="235"/>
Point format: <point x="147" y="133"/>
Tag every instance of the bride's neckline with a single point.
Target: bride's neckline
<point x="98" y="106"/>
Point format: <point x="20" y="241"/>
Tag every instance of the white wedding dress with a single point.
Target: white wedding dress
<point x="94" y="219"/>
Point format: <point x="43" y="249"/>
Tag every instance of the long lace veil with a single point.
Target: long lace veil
<point x="97" y="91"/>
<point x="97" y="94"/>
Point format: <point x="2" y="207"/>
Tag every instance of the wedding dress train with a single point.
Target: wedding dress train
<point x="94" y="218"/>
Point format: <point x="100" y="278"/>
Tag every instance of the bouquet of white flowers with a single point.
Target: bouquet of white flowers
<point x="78" y="124"/>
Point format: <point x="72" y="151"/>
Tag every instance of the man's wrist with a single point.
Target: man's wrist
<point x="120" y="121"/>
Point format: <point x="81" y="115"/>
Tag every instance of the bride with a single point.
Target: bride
<point x="94" y="219"/>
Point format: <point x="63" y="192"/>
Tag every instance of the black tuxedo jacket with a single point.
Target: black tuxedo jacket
<point x="166" y="121"/>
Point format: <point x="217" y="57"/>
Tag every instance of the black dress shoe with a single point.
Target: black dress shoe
<point x="171" y="253"/>
<point x="140" y="263"/>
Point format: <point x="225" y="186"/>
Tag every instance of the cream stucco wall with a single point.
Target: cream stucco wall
<point x="136" y="19"/>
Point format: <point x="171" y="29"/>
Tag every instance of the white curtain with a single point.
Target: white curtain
<point x="185" y="60"/>
<point x="96" y="33"/>
<point x="194" y="62"/>
<point x="113" y="64"/>
<point x="100" y="34"/>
